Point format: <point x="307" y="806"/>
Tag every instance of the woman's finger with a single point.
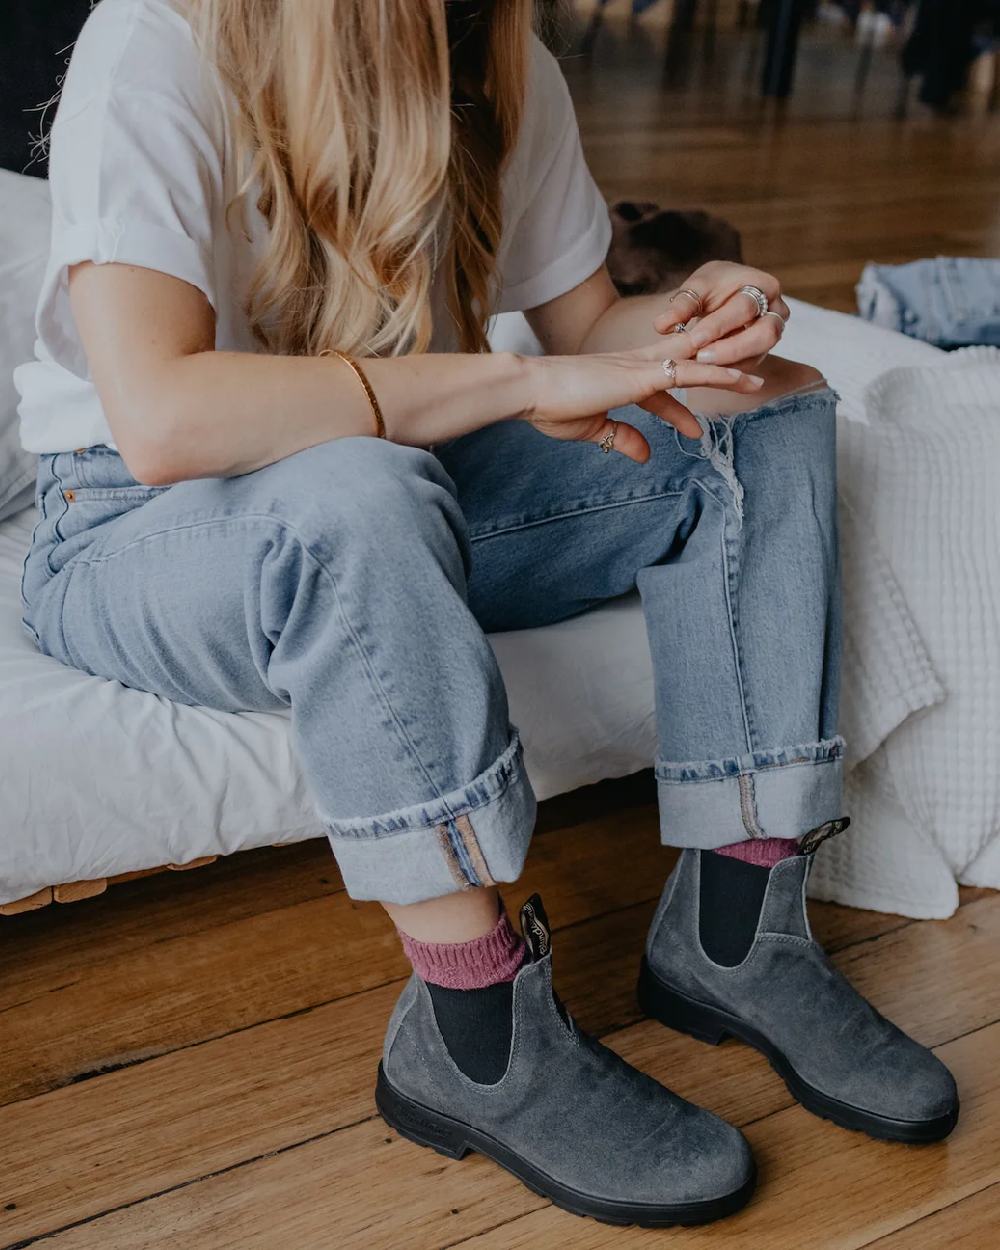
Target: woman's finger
<point x="691" y="373"/>
<point x="671" y="410"/>
<point x="683" y="304"/>
<point x="739" y="313"/>
<point x="623" y="438"/>
<point x="759" y="338"/>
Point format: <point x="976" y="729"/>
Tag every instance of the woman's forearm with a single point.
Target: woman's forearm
<point x="217" y="414"/>
<point x="624" y="324"/>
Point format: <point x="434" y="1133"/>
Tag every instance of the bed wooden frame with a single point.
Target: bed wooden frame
<point x="73" y="891"/>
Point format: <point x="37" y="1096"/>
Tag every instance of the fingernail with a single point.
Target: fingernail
<point x="706" y="356"/>
<point x="757" y="381"/>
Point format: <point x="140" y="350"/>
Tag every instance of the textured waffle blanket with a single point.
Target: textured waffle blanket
<point x="919" y="473"/>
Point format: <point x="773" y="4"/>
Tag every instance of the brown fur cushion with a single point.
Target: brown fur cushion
<point x="654" y="249"/>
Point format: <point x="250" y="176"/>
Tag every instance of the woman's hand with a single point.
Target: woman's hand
<point x="721" y="324"/>
<point x="570" y="395"/>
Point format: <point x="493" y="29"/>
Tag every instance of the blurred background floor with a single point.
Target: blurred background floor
<point x="817" y="184"/>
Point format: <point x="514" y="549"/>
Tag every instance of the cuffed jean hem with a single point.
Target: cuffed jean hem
<point x="475" y="836"/>
<point x="766" y="794"/>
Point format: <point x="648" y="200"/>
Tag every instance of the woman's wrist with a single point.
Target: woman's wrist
<point x="520" y="376"/>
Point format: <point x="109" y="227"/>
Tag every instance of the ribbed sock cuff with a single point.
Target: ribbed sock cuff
<point x="496" y="956"/>
<point x="764" y="852"/>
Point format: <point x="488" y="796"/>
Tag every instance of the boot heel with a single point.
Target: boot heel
<point x="416" y="1123"/>
<point x="676" y="1011"/>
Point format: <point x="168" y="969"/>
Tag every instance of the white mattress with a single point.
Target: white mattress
<point x="98" y="779"/>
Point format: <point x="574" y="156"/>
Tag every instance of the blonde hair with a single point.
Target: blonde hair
<point x="374" y="134"/>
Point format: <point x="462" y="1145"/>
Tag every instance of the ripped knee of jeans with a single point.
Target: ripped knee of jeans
<point x="718" y="449"/>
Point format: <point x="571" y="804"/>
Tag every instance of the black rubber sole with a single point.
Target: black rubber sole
<point x="451" y="1137"/>
<point x="712" y="1025"/>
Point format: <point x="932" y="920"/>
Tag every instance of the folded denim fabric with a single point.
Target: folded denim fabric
<point x="947" y="301"/>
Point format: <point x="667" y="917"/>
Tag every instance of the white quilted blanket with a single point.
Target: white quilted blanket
<point x="921" y="700"/>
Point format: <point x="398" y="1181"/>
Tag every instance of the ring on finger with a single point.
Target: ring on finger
<point x="607" y="443"/>
<point x="692" y="295"/>
<point x="669" y="367"/>
<point x="759" y="298"/>
<point x="773" y="312"/>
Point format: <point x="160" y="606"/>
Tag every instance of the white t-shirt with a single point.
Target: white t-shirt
<point x="142" y="169"/>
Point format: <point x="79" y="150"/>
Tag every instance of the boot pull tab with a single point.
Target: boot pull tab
<point x="810" y="842"/>
<point x="535" y="927"/>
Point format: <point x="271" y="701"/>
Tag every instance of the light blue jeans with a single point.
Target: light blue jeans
<point x="355" y="582"/>
<point x="948" y="301"/>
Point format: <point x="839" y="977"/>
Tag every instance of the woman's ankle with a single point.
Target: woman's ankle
<point x="459" y="917"/>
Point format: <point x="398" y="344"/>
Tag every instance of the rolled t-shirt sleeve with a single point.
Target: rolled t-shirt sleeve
<point x="558" y="230"/>
<point x="136" y="174"/>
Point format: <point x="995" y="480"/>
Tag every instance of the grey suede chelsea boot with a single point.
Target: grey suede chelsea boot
<point x="569" y="1118"/>
<point x="837" y="1055"/>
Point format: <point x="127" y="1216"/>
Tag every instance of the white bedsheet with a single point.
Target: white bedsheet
<point x="98" y="779"/>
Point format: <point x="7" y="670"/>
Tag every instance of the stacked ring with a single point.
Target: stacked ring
<point x="758" y="297"/>
<point x="693" y="295"/>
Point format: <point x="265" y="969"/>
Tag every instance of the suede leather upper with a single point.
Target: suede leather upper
<point x="569" y="1105"/>
<point x="789" y="991"/>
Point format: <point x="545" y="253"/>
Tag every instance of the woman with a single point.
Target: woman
<point x="280" y="468"/>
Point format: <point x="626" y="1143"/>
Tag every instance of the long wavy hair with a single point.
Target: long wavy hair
<point x="374" y="134"/>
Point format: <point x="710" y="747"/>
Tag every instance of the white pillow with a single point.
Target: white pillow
<point x="25" y="215"/>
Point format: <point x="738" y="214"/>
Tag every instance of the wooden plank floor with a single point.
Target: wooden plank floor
<point x="188" y="1061"/>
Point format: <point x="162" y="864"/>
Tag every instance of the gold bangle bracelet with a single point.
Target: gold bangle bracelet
<point x="359" y="374"/>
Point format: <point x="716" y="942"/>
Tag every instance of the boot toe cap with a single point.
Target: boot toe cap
<point x="927" y="1092"/>
<point x="705" y="1161"/>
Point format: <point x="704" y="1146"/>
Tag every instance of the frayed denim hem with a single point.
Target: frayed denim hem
<point x="783" y="793"/>
<point x="475" y="836"/>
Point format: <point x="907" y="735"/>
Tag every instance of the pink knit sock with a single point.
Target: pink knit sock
<point x="496" y="956"/>
<point x="764" y="852"/>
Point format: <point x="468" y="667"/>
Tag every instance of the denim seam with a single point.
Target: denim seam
<point x="449" y="849"/>
<point x="470" y="841"/>
<point x="282" y="523"/>
<point x="569" y="514"/>
<point x="730" y="610"/>
<point x="503" y="784"/>
<point x="745" y="772"/>
<point x="748" y="805"/>
<point x="800" y="399"/>
<point x="55" y="524"/>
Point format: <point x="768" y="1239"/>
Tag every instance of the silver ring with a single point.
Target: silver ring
<point x="686" y="290"/>
<point x="680" y="328"/>
<point x="773" y="313"/>
<point x="607" y="443"/>
<point x="669" y="367"/>
<point x="758" y="297"/>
